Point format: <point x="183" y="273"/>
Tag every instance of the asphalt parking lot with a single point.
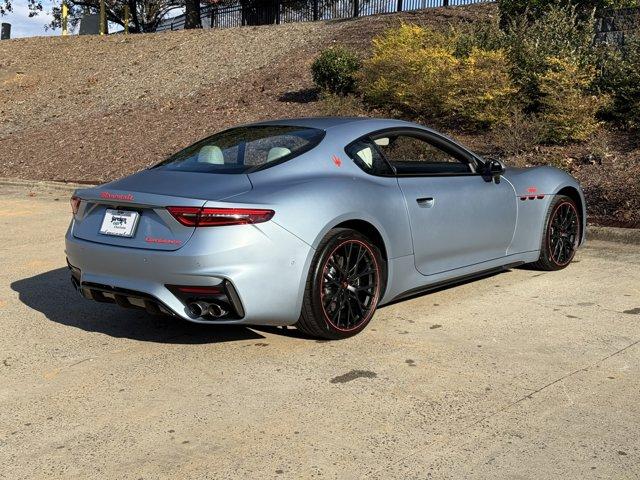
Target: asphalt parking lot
<point x="519" y="375"/>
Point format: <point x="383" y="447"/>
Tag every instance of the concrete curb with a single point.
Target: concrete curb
<point x="42" y="185"/>
<point x="607" y="234"/>
<point x="613" y="234"/>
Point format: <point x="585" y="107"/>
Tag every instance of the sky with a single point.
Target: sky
<point x="23" y="26"/>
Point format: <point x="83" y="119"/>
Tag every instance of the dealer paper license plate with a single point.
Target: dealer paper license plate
<point x="121" y="223"/>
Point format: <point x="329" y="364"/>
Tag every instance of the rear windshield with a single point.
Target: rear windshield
<point x="244" y="149"/>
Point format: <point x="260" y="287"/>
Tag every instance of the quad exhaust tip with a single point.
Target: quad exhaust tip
<point x="206" y="309"/>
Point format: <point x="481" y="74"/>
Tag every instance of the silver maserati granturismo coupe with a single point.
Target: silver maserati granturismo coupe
<point x="314" y="223"/>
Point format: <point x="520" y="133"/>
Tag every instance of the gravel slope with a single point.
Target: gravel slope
<point x="91" y="109"/>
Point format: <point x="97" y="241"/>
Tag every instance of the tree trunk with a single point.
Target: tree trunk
<point x="133" y="10"/>
<point x="192" y="14"/>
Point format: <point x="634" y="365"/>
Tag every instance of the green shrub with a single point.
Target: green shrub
<point x="620" y="76"/>
<point x="567" y="108"/>
<point x="482" y="35"/>
<point x="541" y="72"/>
<point x="411" y="70"/>
<point x="553" y="62"/>
<point x="559" y="33"/>
<point x="416" y="71"/>
<point x="510" y="9"/>
<point x="483" y="94"/>
<point x="335" y="70"/>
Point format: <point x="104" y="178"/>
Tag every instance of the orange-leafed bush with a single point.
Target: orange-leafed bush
<point x="416" y="70"/>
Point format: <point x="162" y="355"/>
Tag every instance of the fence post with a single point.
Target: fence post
<point x="315" y="10"/>
<point x="356" y="8"/>
<point x="126" y="19"/>
<point x="5" y="31"/>
<point x="399" y="8"/>
<point x="103" y="18"/>
<point x="445" y="3"/>
<point x="277" y="7"/>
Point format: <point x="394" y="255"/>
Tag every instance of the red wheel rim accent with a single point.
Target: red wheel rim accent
<point x="563" y="233"/>
<point x="343" y="285"/>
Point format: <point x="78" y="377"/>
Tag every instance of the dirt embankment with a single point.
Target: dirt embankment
<point x="91" y="109"/>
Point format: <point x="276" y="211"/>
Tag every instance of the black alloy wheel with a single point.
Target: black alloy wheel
<point x="344" y="286"/>
<point x="561" y="235"/>
<point x="349" y="285"/>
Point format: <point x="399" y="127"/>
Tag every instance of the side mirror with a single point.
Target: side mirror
<point x="493" y="169"/>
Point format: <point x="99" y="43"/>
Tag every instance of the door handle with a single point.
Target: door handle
<point x="425" y="202"/>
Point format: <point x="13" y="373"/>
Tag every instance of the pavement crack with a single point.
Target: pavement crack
<point x="619" y="351"/>
<point x="557" y="380"/>
<point x="468" y="427"/>
<point x="88" y="359"/>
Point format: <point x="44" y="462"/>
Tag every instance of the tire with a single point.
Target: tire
<point x="345" y="283"/>
<point x="561" y="235"/>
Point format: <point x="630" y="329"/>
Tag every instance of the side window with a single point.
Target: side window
<point x="415" y="155"/>
<point x="366" y="156"/>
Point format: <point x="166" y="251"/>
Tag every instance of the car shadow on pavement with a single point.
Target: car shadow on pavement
<point x="52" y="294"/>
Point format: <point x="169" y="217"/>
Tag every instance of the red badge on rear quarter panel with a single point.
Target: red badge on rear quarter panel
<point x="336" y="161"/>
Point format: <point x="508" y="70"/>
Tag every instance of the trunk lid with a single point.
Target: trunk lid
<point x="208" y="186"/>
<point x="148" y="193"/>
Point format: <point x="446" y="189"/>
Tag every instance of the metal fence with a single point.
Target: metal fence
<point x="288" y="11"/>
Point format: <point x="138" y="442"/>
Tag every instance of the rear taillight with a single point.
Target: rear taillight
<point x="186" y="215"/>
<point x="75" y="205"/>
<point x="216" y="217"/>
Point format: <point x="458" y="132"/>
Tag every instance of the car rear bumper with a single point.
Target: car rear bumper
<point x="264" y="264"/>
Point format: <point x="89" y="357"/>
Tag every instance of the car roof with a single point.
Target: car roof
<point x="326" y="123"/>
